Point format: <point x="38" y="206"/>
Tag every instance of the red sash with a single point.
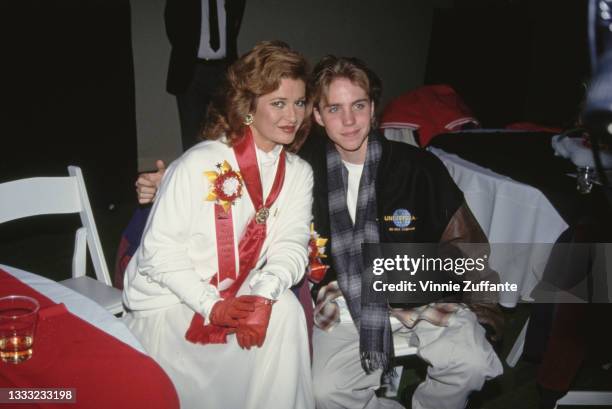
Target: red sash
<point x="250" y="243"/>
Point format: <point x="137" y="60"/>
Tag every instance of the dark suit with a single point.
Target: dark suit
<point x="192" y="80"/>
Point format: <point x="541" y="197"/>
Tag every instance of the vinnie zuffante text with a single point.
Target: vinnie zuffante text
<point x="413" y="265"/>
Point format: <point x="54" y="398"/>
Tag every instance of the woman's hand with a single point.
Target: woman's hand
<point x="252" y="329"/>
<point x="228" y="312"/>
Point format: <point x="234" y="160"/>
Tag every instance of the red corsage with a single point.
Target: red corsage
<point x="316" y="251"/>
<point x="225" y="185"/>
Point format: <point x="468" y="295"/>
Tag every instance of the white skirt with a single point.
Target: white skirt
<point x="224" y="376"/>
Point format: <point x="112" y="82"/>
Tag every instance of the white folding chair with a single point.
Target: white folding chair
<point x="65" y="195"/>
<point x="573" y="397"/>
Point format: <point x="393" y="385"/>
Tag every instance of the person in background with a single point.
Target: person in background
<point x="203" y="35"/>
<point x="207" y="293"/>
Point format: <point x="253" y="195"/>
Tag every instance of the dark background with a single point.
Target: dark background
<point x="67" y="97"/>
<point x="68" y="89"/>
<point x="68" y="93"/>
<point x="513" y="60"/>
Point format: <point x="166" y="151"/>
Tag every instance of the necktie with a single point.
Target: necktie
<point x="213" y="24"/>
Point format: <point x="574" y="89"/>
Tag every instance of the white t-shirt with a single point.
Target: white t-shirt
<point x="354" y="176"/>
<point x="352" y="193"/>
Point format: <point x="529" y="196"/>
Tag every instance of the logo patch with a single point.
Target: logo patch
<point x="401" y="220"/>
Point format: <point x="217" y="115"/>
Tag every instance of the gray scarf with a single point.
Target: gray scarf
<point x="371" y="318"/>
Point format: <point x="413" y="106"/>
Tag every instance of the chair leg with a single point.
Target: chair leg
<point x="586" y="398"/>
<point x="392" y="387"/>
<point x="517" y="348"/>
<point x="79" y="257"/>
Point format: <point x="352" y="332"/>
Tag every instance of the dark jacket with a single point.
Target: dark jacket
<point x="408" y="178"/>
<point x="183" y="19"/>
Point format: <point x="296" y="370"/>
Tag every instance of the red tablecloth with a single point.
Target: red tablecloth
<point x="71" y="353"/>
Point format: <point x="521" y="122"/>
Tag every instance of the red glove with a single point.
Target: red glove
<point x="252" y="329"/>
<point x="226" y="313"/>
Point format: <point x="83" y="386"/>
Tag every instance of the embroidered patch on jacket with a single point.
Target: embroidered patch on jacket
<point x="400" y="220"/>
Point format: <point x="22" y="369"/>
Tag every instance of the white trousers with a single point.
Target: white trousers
<point x="460" y="359"/>
<point x="224" y="376"/>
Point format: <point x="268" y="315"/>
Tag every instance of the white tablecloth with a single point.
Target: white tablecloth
<point x="77" y="304"/>
<point x="509" y="212"/>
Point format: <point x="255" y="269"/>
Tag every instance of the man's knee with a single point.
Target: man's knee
<point x="325" y="380"/>
<point x="329" y="396"/>
<point x="477" y="366"/>
<point x="324" y="391"/>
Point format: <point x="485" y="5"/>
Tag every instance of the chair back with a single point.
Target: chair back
<point x="58" y="195"/>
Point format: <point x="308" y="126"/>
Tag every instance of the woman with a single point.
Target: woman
<point x="207" y="291"/>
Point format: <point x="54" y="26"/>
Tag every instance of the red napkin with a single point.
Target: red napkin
<point x="71" y="353"/>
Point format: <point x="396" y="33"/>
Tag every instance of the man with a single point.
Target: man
<point x="203" y="35"/>
<point x="359" y="178"/>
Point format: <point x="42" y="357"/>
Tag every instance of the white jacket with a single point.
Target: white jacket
<point x="178" y="254"/>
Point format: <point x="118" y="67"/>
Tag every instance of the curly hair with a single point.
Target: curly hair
<point x="331" y="67"/>
<point x="256" y="73"/>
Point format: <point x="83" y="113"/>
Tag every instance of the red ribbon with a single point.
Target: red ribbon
<point x="250" y="243"/>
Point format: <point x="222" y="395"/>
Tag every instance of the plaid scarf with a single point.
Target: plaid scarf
<point x="371" y="318"/>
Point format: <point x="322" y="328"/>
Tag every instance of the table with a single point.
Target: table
<point x="100" y="370"/>
<point x="509" y="212"/>
<point x="520" y="192"/>
<point x="527" y="158"/>
<point x="77" y="304"/>
<point x="557" y="339"/>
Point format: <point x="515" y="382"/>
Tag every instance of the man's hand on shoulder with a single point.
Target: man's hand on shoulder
<point x="148" y="183"/>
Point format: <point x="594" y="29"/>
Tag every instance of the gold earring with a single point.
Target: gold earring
<point x="248" y="119"/>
